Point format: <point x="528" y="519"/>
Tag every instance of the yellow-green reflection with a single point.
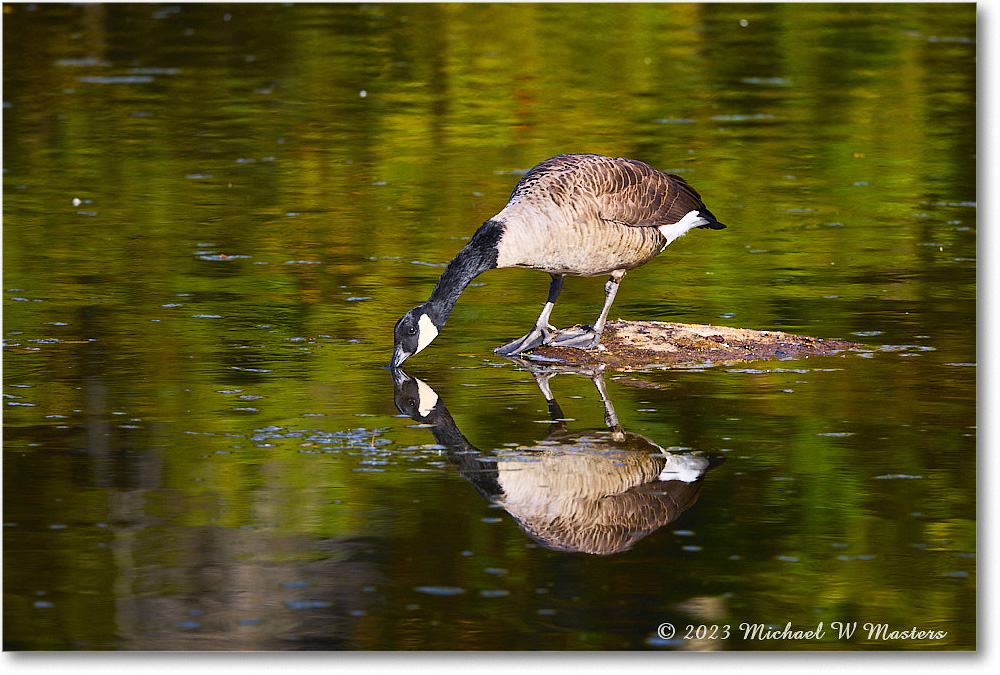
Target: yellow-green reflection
<point x="214" y="215"/>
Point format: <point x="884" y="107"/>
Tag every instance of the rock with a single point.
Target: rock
<point x="627" y="345"/>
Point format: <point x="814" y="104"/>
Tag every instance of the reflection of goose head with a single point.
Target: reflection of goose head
<point x="413" y="397"/>
<point x="596" y="491"/>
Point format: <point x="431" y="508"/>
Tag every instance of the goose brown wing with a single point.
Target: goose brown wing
<point x="620" y="190"/>
<point x="636" y="194"/>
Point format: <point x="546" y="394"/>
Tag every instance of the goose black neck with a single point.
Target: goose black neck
<point x="479" y="255"/>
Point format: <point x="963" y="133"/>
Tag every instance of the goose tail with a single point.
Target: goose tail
<point x="712" y="223"/>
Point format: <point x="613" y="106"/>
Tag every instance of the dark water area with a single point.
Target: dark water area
<point x="213" y="215"/>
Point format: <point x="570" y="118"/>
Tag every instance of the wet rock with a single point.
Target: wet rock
<point x="627" y="345"/>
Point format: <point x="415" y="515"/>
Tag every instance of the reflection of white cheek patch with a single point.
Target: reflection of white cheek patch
<point x="428" y="399"/>
<point x="426" y="332"/>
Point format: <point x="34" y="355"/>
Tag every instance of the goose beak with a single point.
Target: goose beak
<point x="398" y="356"/>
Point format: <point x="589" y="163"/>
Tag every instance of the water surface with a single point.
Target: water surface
<point x="214" y="215"/>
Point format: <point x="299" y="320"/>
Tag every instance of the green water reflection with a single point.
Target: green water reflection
<point x="214" y="215"/>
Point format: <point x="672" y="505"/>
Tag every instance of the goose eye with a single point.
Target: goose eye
<point x="412" y="330"/>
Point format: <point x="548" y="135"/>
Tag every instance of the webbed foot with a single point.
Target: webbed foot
<point x="537" y="337"/>
<point x="580" y="337"/>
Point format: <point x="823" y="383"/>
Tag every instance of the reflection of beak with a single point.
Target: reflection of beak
<point x="398" y="356"/>
<point x="399" y="377"/>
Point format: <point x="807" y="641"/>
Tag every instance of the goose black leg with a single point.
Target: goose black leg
<point x="588" y="337"/>
<point x="540" y="334"/>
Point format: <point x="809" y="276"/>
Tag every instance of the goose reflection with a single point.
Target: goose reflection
<point x="596" y="491"/>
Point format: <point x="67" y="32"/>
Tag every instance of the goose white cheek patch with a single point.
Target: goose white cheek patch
<point x="426" y="332"/>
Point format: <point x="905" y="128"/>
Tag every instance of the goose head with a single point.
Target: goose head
<point x="413" y="332"/>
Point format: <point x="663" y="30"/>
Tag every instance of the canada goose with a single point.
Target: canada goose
<point x="580" y="214"/>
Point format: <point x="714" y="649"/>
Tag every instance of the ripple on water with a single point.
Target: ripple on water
<point x="440" y="590"/>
